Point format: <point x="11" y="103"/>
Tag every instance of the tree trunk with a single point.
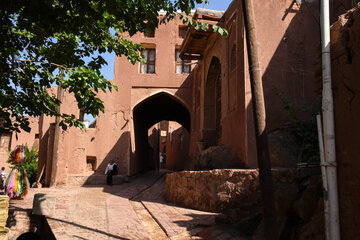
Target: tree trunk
<point x="269" y="211"/>
<point x="55" y="156"/>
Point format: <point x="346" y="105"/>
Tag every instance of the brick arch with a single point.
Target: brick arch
<point x="212" y="104"/>
<point x="153" y="109"/>
<point x="154" y="94"/>
<point x="163" y="106"/>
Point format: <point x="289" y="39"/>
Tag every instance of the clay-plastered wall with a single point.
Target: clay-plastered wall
<point x="177" y="157"/>
<point x="233" y="109"/>
<point x="288" y="36"/>
<point x="111" y="139"/>
<point x="22" y="138"/>
<point x="107" y="141"/>
<point x="345" y="53"/>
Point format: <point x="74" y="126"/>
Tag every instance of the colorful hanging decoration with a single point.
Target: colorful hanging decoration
<point x="17" y="184"/>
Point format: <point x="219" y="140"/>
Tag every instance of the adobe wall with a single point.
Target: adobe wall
<point x="139" y="87"/>
<point x="113" y="137"/>
<point x="288" y="37"/>
<point x="233" y="109"/>
<point x="345" y="55"/>
<point x="177" y="148"/>
<point x="8" y="142"/>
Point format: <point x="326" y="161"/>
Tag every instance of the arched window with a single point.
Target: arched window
<point x="212" y="104"/>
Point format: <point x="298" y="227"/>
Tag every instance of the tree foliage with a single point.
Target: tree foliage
<point x="44" y="42"/>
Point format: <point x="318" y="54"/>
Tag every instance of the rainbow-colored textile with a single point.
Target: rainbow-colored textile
<point x="17" y="184"/>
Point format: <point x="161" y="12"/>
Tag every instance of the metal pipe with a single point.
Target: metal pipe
<point x="323" y="175"/>
<point x="328" y="122"/>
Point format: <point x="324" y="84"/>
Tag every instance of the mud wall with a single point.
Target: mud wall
<point x="345" y="54"/>
<point x="9" y="141"/>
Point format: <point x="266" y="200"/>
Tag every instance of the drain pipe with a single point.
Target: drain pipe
<point x="328" y="122"/>
<point x="324" y="178"/>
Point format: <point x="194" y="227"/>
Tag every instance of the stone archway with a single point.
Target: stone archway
<point x="161" y="106"/>
<point x="212" y="104"/>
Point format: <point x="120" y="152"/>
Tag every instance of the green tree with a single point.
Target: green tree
<point x="44" y="42"/>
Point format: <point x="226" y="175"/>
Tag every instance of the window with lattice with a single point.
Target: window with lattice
<point x="182" y="31"/>
<point x="150" y="57"/>
<point x="181" y="66"/>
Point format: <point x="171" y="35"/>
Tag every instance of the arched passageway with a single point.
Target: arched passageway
<point x="152" y="110"/>
<point x="212" y="104"/>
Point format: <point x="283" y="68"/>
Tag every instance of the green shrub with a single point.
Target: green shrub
<point x="304" y="130"/>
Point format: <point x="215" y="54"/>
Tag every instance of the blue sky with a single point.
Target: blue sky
<point x="108" y="71"/>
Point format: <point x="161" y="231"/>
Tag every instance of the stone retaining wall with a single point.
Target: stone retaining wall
<point x="219" y="189"/>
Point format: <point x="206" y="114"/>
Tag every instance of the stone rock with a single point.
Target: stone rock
<point x="237" y="215"/>
<point x="218" y="189"/>
<point x="315" y="228"/>
<point x="284" y="196"/>
<point x="284" y="148"/>
<point x="36" y="185"/>
<point x="218" y="157"/>
<point x="4" y="206"/>
<point x="4" y="233"/>
<point x="307" y="204"/>
<point x="44" y="204"/>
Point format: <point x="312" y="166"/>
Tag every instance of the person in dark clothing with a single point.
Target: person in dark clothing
<point x="28" y="236"/>
<point x="111" y="170"/>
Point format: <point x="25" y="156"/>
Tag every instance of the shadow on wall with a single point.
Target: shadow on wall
<point x="120" y="153"/>
<point x="177" y="150"/>
<point x="153" y="140"/>
<point x="292" y="67"/>
<point x="45" y="156"/>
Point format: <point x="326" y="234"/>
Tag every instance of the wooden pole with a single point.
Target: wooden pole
<point x="269" y="212"/>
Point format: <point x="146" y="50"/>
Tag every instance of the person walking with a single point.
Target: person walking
<point x="110" y="170"/>
<point x="2" y="178"/>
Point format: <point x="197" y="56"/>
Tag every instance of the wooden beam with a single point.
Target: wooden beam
<point x="191" y="57"/>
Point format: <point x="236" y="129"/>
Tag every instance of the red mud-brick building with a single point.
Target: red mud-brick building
<point x="212" y="104"/>
<point x="8" y="141"/>
<point x="148" y="93"/>
<point x="289" y="37"/>
<point x="172" y="106"/>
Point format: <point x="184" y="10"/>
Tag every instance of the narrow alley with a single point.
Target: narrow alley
<point x="135" y="210"/>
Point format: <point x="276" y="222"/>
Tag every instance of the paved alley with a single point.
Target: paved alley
<point x="135" y="210"/>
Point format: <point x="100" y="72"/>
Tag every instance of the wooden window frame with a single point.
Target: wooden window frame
<point x="182" y="29"/>
<point x="181" y="63"/>
<point x="148" y="62"/>
<point x="150" y="34"/>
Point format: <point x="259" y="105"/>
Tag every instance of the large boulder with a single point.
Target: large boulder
<point x="307" y="204"/>
<point x="284" y="148"/>
<point x="218" y="157"/>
